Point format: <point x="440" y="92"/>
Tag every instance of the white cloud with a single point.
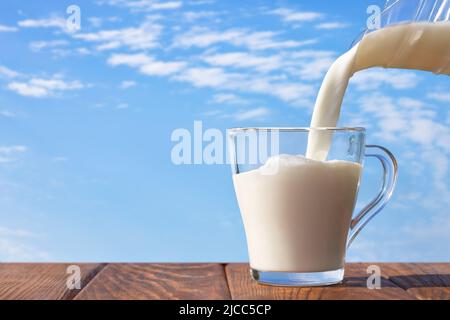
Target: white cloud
<point x="13" y="246"/>
<point x="407" y="120"/>
<point x="374" y="78"/>
<point x="166" y="5"/>
<point x="261" y="40"/>
<point x="13" y="149"/>
<point x="311" y="54"/>
<point x="131" y="60"/>
<point x="439" y="228"/>
<point x="147" y="64"/>
<point x="289" y="15"/>
<point x="8" y="73"/>
<point x="274" y="80"/>
<point x="414" y="125"/>
<point x="95" y="21"/>
<point x="332" y="25"/>
<point x="135" y="38"/>
<point x="4" y="28"/>
<point x="276" y="68"/>
<point x="266" y="40"/>
<point x="122" y="106"/>
<point x="201" y="37"/>
<point x="13" y="251"/>
<point x="53" y="22"/>
<point x="58" y="48"/>
<point x="7" y="153"/>
<point x="146" y="5"/>
<point x="210" y="77"/>
<point x="242" y="115"/>
<point x="127" y="84"/>
<point x="228" y="98"/>
<point x="201" y="2"/>
<point x="244" y="60"/>
<point x="280" y="74"/>
<point x="83" y="51"/>
<point x="308" y="64"/>
<point x="315" y="69"/>
<point x="196" y="15"/>
<point x="6" y="232"/>
<point x="253" y="114"/>
<point x="439" y="96"/>
<point x="60" y="159"/>
<point x="39" y="45"/>
<point x="7" y="114"/>
<point x="390" y="119"/>
<point x="291" y="92"/>
<point x="39" y="87"/>
<point x="162" y="68"/>
<point x="25" y="89"/>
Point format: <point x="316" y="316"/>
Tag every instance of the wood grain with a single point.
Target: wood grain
<point x="425" y="281"/>
<point x="354" y="287"/>
<point x="158" y="281"/>
<point x="26" y="281"/>
<point x="214" y="281"/>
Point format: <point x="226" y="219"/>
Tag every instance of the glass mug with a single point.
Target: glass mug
<point x="297" y="212"/>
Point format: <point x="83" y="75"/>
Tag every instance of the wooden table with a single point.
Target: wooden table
<point x="213" y="281"/>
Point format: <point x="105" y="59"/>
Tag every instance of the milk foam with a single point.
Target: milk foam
<point x="285" y="161"/>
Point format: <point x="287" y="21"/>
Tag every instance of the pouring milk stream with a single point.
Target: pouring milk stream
<point x="420" y="46"/>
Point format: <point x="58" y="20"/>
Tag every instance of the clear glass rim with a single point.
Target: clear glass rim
<point x="295" y="129"/>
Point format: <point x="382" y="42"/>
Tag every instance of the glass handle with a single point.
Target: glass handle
<point x="390" y="168"/>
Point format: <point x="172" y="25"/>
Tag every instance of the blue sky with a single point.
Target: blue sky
<point x="86" y="119"/>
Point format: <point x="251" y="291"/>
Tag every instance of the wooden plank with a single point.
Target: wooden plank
<point x="41" y="281"/>
<point x="423" y="280"/>
<point x="354" y="287"/>
<point x="158" y="281"/>
<point x="208" y="281"/>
